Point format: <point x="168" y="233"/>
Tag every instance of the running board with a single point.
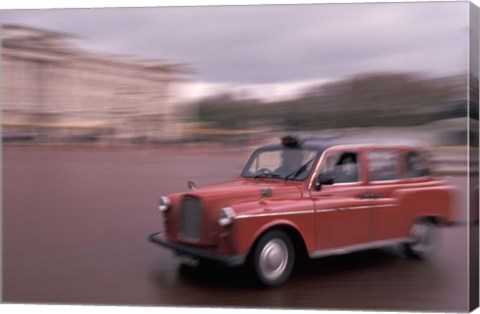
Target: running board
<point x="358" y="247"/>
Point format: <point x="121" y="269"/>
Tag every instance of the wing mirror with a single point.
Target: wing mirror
<point x="323" y="178"/>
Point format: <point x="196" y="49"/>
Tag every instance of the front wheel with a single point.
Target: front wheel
<point x="273" y="258"/>
<point x="424" y="236"/>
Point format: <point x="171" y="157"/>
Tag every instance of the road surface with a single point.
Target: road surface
<point x="76" y="221"/>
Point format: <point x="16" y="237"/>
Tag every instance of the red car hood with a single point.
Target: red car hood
<point x="215" y="197"/>
<point x="240" y="191"/>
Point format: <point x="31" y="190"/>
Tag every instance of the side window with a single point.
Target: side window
<point x="342" y="167"/>
<point x="416" y="165"/>
<point x="382" y="165"/>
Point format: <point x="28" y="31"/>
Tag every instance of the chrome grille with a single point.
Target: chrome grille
<point x="191" y="218"/>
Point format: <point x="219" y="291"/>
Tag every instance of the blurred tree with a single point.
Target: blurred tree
<point x="380" y="99"/>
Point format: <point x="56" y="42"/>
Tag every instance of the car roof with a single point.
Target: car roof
<point x="321" y="144"/>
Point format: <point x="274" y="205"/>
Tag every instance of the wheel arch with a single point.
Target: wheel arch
<point x="436" y="220"/>
<point x="290" y="229"/>
<point x="433" y="203"/>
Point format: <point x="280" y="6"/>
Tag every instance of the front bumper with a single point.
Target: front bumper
<point x="227" y="260"/>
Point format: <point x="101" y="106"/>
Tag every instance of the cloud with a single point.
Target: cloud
<point x="268" y="44"/>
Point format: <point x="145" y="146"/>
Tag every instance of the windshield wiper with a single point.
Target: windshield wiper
<point x="299" y="170"/>
<point x="267" y="175"/>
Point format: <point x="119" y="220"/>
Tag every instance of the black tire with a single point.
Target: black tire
<point x="424" y="240"/>
<point x="273" y="258"/>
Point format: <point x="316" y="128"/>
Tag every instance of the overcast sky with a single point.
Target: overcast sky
<point x="274" y="44"/>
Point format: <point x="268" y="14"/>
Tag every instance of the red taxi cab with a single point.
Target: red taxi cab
<point x="309" y="197"/>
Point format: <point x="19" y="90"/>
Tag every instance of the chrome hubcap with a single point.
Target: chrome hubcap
<point x="273" y="259"/>
<point x="424" y="238"/>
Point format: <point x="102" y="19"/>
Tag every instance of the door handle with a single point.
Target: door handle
<point x="369" y="196"/>
<point x="364" y="196"/>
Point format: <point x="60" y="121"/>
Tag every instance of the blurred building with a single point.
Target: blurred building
<point x="51" y="90"/>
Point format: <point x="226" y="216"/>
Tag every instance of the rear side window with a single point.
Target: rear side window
<point x="416" y="165"/>
<point x="382" y="165"/>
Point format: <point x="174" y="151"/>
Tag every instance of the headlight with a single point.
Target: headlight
<point x="163" y="204"/>
<point x="225" y="216"/>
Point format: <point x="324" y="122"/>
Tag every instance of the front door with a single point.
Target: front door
<point x="342" y="212"/>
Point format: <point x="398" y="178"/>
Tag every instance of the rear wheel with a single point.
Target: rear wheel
<point x="424" y="236"/>
<point x="273" y="258"/>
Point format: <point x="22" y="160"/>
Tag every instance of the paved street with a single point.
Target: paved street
<point x="76" y="221"/>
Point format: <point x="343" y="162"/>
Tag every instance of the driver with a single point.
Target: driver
<point x="291" y="161"/>
<point x="346" y="169"/>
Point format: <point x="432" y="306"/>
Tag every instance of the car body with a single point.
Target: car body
<point x="334" y="198"/>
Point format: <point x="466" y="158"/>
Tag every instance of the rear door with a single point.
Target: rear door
<point x="389" y="220"/>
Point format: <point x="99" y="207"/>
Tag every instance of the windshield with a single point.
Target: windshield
<point x="281" y="163"/>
